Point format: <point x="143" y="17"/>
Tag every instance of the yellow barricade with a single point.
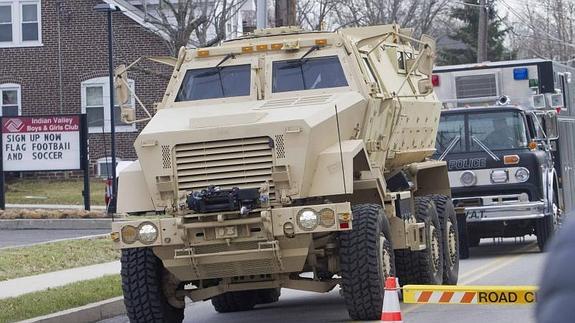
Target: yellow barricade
<point x="483" y="295"/>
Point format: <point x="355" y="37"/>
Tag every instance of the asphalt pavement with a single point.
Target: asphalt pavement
<point x="508" y="263"/>
<point x="14" y="238"/>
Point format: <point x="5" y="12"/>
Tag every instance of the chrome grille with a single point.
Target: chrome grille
<point x="243" y="163"/>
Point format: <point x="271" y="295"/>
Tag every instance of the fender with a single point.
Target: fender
<point x="430" y="177"/>
<point x="133" y="194"/>
<point x="331" y="176"/>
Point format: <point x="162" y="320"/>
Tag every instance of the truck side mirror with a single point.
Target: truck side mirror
<point x="128" y="113"/>
<point x="550" y="125"/>
<point x="427" y="50"/>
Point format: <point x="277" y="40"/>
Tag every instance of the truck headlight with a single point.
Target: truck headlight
<point x="468" y="178"/>
<point x="499" y="176"/>
<point x="327" y="217"/>
<point x="307" y="219"/>
<point x="129" y="234"/>
<point x="147" y="232"/>
<point x="522" y="174"/>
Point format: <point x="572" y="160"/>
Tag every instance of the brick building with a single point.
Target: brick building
<point x="53" y="60"/>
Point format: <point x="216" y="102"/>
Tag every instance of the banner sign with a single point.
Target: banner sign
<point x="43" y="143"/>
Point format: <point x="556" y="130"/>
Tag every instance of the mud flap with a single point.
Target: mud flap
<point x="463" y="236"/>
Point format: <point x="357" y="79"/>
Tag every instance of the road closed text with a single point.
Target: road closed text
<point x="506" y="297"/>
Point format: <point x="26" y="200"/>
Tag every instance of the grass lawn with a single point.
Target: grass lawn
<point x="68" y="192"/>
<point x="58" y="299"/>
<point x="43" y="258"/>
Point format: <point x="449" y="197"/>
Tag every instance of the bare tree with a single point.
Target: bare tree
<point x="315" y="14"/>
<point x="191" y="22"/>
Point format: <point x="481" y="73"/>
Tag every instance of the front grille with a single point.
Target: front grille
<point x="242" y="163"/>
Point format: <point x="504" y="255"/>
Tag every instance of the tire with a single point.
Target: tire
<point x="449" y="237"/>
<point x="235" y="301"/>
<point x="268" y="296"/>
<point x="423" y="267"/>
<point x="366" y="260"/>
<point x="142" y="274"/>
<point x="544" y="229"/>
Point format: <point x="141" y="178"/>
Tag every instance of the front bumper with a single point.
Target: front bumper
<point x="202" y="246"/>
<point x="500" y="208"/>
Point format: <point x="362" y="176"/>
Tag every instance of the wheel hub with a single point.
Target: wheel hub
<point x="385" y="257"/>
<point x="435" y="249"/>
<point x="452" y="243"/>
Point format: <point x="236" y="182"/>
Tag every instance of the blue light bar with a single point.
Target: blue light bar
<point x="520" y="74"/>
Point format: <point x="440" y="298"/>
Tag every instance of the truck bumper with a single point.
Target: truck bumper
<point x="500" y="208"/>
<point x="199" y="247"/>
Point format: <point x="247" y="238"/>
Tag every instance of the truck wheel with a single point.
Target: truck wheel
<point x="425" y="266"/>
<point x="268" y="296"/>
<point x="142" y="274"/>
<point x="235" y="301"/>
<point x="544" y="229"/>
<point x="449" y="237"/>
<point x="366" y="260"/>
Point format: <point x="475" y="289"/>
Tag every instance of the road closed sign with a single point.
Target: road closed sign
<point x="44" y="143"/>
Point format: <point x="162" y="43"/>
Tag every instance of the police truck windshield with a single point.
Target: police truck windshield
<point x="215" y="82"/>
<point x="307" y="74"/>
<point x="467" y="131"/>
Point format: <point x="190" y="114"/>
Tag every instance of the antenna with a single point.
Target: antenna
<point x="340" y="150"/>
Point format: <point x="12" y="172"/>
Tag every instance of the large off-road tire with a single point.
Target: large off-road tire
<point x="449" y="237"/>
<point x="425" y="266"/>
<point x="142" y="276"/>
<point x="366" y="260"/>
<point x="268" y="296"/>
<point x="544" y="229"/>
<point x="235" y="301"/>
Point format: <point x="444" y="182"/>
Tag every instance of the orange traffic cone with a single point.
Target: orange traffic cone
<point x="391" y="311"/>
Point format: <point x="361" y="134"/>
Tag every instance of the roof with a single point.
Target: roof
<point x="490" y="108"/>
<point x="483" y="65"/>
<point x="136" y="15"/>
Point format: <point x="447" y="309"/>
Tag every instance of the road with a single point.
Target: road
<point x="506" y="263"/>
<point x="14" y="238"/>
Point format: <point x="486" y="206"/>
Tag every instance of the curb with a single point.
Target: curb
<point x="52" y="224"/>
<point x="88" y="313"/>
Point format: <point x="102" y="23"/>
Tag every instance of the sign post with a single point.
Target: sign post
<point x="45" y="143"/>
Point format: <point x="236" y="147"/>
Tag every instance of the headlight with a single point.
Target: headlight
<point x="499" y="176"/>
<point x="148" y="233"/>
<point x="129" y="234"/>
<point x="468" y="178"/>
<point x="307" y="219"/>
<point x="522" y="175"/>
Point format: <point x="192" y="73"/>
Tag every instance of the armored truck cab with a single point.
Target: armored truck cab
<point x="284" y="153"/>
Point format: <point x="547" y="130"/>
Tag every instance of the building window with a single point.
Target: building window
<point x="10" y="100"/>
<point x="96" y="105"/>
<point x="20" y="23"/>
<point x="105" y="166"/>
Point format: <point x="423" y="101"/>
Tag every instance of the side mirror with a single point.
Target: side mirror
<point x="424" y="86"/>
<point x="427" y="50"/>
<point x="128" y="113"/>
<point x="550" y="125"/>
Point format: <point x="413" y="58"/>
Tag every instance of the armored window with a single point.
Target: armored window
<point x="96" y="105"/>
<point x="307" y="74"/>
<point x="215" y="82"/>
<point x="476" y="86"/>
<point x="10" y="100"/>
<point x="20" y="23"/>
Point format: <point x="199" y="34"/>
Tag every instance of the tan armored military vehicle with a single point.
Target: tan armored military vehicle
<point x="288" y="159"/>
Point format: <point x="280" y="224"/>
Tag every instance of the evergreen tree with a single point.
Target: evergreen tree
<point x="467" y="17"/>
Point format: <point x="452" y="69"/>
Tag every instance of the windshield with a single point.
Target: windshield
<point x="215" y="82"/>
<point x="307" y="74"/>
<point x="496" y="130"/>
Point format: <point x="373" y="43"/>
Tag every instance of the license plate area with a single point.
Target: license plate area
<point x="230" y="231"/>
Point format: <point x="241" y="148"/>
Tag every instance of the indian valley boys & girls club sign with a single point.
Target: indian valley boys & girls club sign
<point x="41" y="143"/>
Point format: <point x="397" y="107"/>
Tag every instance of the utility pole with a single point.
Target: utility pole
<point x="482" y="32"/>
<point x="286" y="13"/>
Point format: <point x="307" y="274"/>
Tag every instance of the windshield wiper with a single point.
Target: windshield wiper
<point x="452" y="144"/>
<point x="484" y="147"/>
<point x="312" y="49"/>
<point x="228" y="56"/>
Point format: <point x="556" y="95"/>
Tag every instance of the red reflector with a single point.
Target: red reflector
<point x="558" y="110"/>
<point x="435" y="80"/>
<point x="344" y="225"/>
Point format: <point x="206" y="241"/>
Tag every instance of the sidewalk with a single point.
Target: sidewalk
<point x="30" y="284"/>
